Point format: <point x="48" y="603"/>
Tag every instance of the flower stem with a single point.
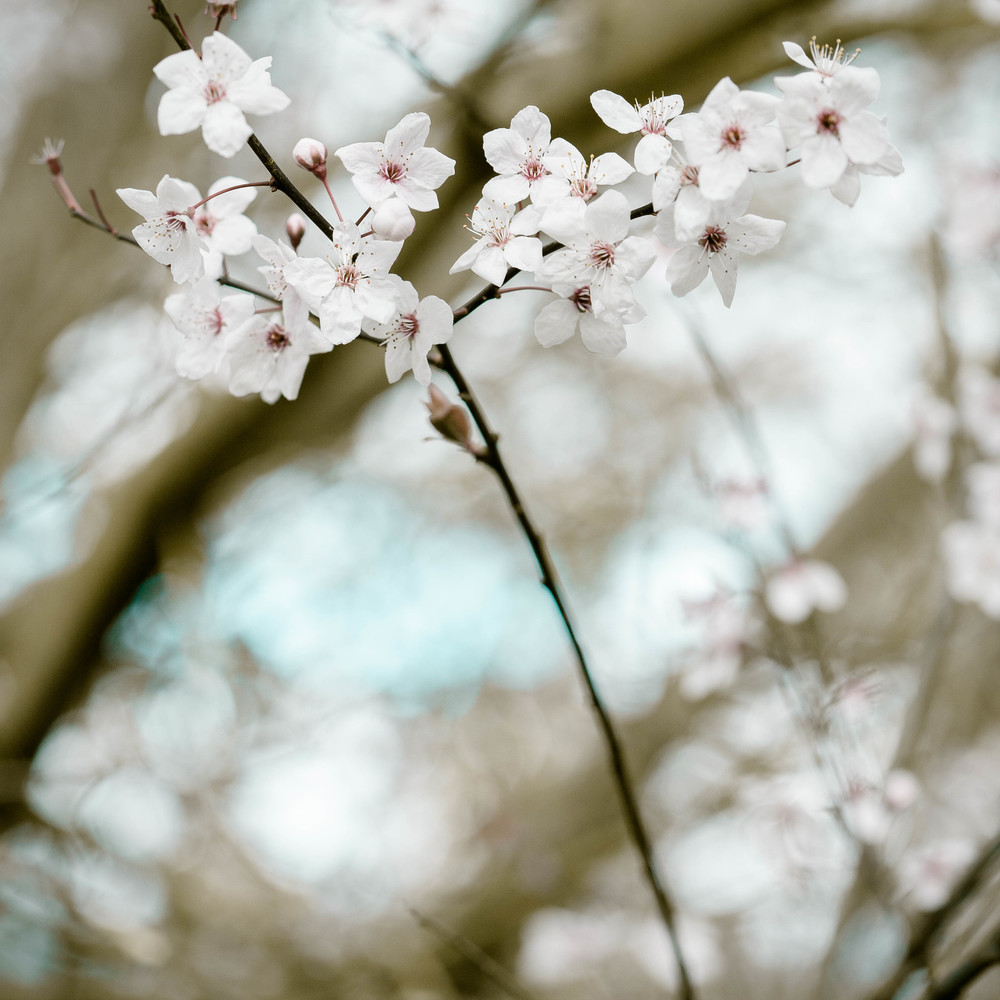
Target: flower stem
<point x="269" y="183"/>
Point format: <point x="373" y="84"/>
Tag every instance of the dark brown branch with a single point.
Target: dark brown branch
<point x="550" y="580"/>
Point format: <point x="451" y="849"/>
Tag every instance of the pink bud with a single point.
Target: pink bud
<point x="449" y="419"/>
<point x="221" y="9"/>
<point x="310" y="154"/>
<point x="393" y="220"/>
<point x="295" y="226"/>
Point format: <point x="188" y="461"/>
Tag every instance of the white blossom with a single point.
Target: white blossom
<point x="803" y="586"/>
<point x="726" y="233"/>
<point x="205" y="318"/>
<point x="214" y="92"/>
<point x="418" y="325"/>
<point x="730" y="136"/>
<point x="349" y="284"/>
<point x="598" y="250"/>
<point x="826" y="117"/>
<point x="653" y="149"/>
<point x="400" y="166"/>
<point x="570" y="175"/>
<point x="972" y="564"/>
<point x="573" y="310"/>
<point x="169" y="234"/>
<point x="507" y="238"/>
<point x="934" y="423"/>
<point x="269" y="353"/>
<point x="517" y="155"/>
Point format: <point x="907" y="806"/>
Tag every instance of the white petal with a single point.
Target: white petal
<point x="616" y="112"/>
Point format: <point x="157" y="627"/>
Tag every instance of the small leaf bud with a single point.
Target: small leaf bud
<point x="449" y="419"/>
<point x="295" y="227"/>
<point x="310" y="154"/>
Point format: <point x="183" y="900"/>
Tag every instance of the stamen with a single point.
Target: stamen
<point x="713" y="239"/>
<point x="276" y="338"/>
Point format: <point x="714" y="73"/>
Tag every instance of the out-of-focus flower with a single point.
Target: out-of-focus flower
<point x="803" y="586"/>
<point x="934" y="422"/>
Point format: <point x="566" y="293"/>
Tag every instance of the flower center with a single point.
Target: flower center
<point x="689" y="176"/>
<point x="349" y="274"/>
<point x="276" y="338"/>
<point x="175" y="221"/>
<point x="581" y="299"/>
<point x="204" y="222"/>
<point x="215" y="322"/>
<point x="602" y="255"/>
<point x="533" y="169"/>
<point x="713" y="239"/>
<point x="733" y="136"/>
<point x="583" y="187"/>
<point x="408" y="326"/>
<point x="393" y="172"/>
<point x="828" y="121"/>
<point x="214" y="92"/>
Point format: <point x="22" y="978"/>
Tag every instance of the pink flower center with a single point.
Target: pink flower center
<point x="689" y="176"/>
<point x="583" y="187"/>
<point x="393" y="172"/>
<point x="215" y="322"/>
<point x="733" y="136"/>
<point x="204" y="222"/>
<point x="214" y="92"/>
<point x="828" y="121"/>
<point x="408" y="326"/>
<point x="175" y="221"/>
<point x="276" y="338"/>
<point x="348" y="274"/>
<point x="602" y="255"/>
<point x="533" y="169"/>
<point x="581" y="299"/>
<point x="713" y="239"/>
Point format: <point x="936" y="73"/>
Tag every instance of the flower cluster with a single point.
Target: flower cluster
<point x="701" y="165"/>
<point x="697" y="169"/>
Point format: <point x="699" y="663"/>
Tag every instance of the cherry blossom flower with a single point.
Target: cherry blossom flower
<point x="730" y="136"/>
<point x="418" y="325"/>
<point x="571" y="176"/>
<point x="206" y="318"/>
<point x="311" y="155"/>
<point x="400" y="166"/>
<point x="803" y="586"/>
<point x="278" y="256"/>
<point x="598" y="250"/>
<point x="269" y="353"/>
<point x="678" y="186"/>
<point x="826" y="117"/>
<point x="573" y="311"/>
<point x="169" y="234"/>
<point x="214" y="92"/>
<point x="221" y="224"/>
<point x="349" y="284"/>
<point x="653" y="149"/>
<point x="507" y="238"/>
<point x="826" y="61"/>
<point x="726" y="232"/>
<point x="393" y="220"/>
<point x="517" y="155"/>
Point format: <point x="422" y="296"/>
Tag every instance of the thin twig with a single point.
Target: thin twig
<point x="550" y="580"/>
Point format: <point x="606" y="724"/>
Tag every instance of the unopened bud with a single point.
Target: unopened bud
<point x="295" y="227"/>
<point x="393" y="220"/>
<point x="449" y="419"/>
<point x="221" y="9"/>
<point x="310" y="154"/>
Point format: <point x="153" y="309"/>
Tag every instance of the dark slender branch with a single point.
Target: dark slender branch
<point x="471" y="952"/>
<point x="550" y="580"/>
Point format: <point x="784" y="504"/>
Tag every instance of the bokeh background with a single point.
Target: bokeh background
<point x="284" y="710"/>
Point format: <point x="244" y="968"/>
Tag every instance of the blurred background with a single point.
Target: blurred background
<point x="284" y="710"/>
